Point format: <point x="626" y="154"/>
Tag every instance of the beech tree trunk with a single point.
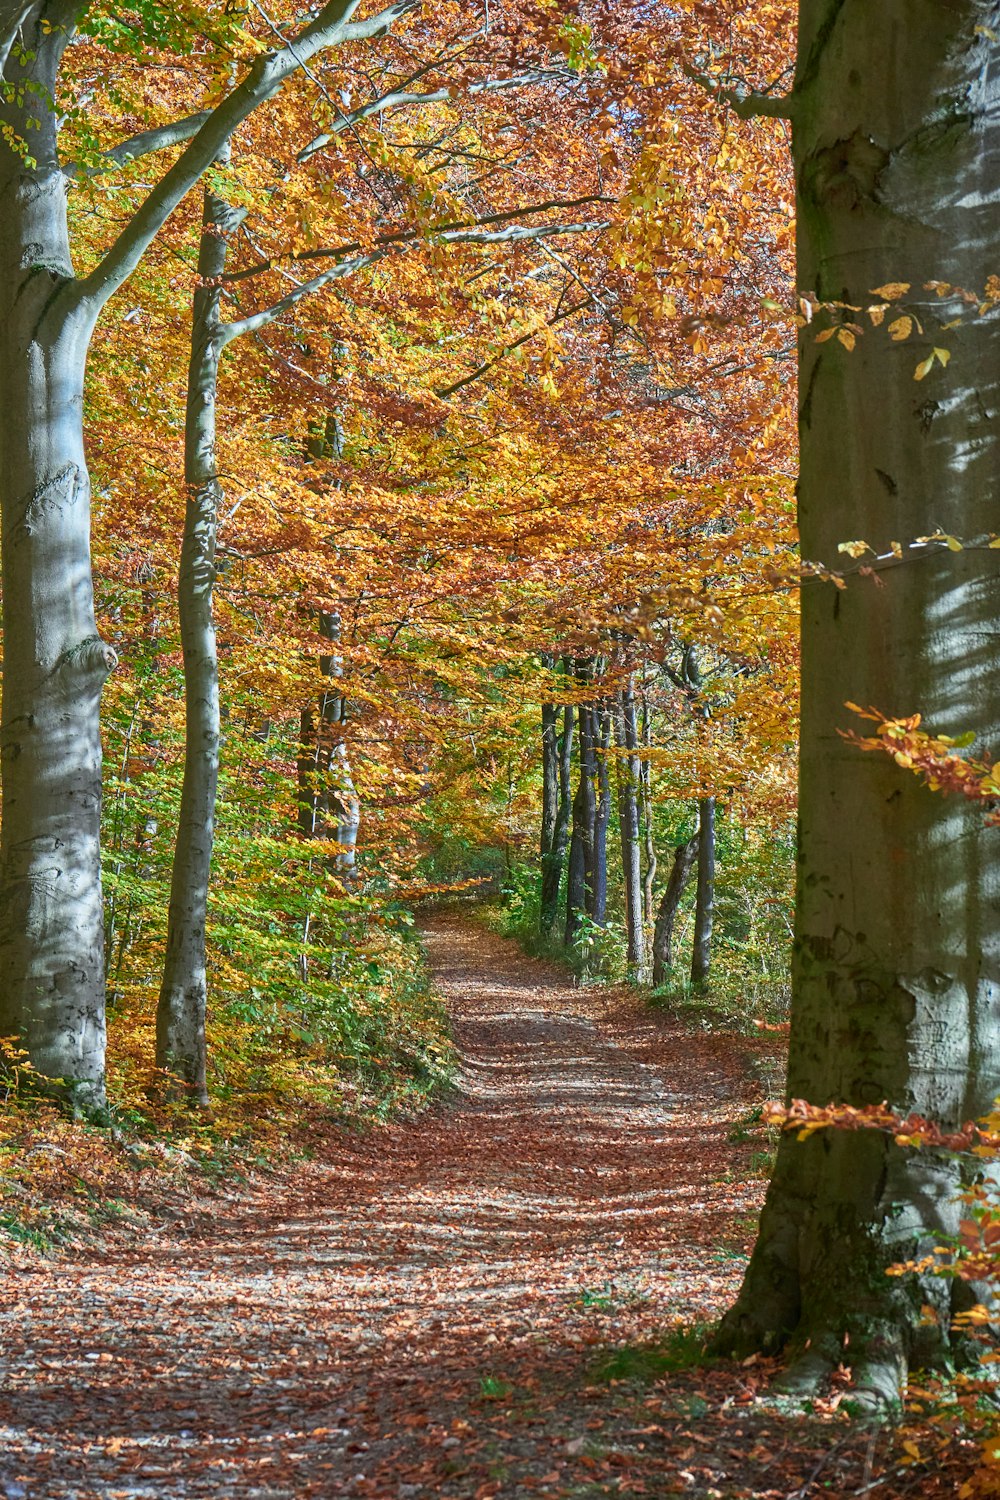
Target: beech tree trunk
<point x="339" y="803"/>
<point x="54" y="662"/>
<point x="579" y="897"/>
<point x="181" y="1007"/>
<point x="896" y="984"/>
<point x="597" y="874"/>
<point x="629" y="773"/>
<point x="685" y="856"/>
<point x="704" y="909"/>
<point x="554" y="859"/>
<point x="326" y="792"/>
<point x="648" y="843"/>
<point x="550" y="786"/>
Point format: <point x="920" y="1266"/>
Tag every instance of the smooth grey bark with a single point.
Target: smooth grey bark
<point x="550" y="783"/>
<point x="55" y="664"/>
<point x="337" y="808"/>
<point x="597" y="847"/>
<point x="326" y="781"/>
<point x="648" y="842"/>
<point x="180" y="1010"/>
<point x="554" y="862"/>
<point x="685" y="856"/>
<point x="51" y="919"/>
<point x="581" y="849"/>
<point x="896" y="980"/>
<point x="629" y="786"/>
<point x="704" y="906"/>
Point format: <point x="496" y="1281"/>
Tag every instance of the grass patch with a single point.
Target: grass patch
<point x="683" y="1348"/>
<point x="494" y="1388"/>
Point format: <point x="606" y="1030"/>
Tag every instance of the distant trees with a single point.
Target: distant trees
<point x="613" y="759"/>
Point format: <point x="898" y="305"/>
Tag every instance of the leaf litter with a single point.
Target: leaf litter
<point x="507" y="1296"/>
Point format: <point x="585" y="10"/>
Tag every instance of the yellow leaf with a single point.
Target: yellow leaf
<point x="877" y="312"/>
<point x="896" y="548"/>
<point x="846" y="337"/>
<point x="942" y="355"/>
<point x="911" y="1448"/>
<point x="952" y="543"/>
<point x="891" y="290"/>
<point x="987" y="32"/>
<point x="253" y="42"/>
<point x="924" y="368"/>
<point x="900" y="329"/>
<point x="853" y="549"/>
<point x="827" y="333"/>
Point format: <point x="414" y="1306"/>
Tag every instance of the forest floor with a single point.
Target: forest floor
<point x="503" y="1297"/>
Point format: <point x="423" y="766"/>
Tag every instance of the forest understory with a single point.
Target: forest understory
<point x="507" y="1295"/>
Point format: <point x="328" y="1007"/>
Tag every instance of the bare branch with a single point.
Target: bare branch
<point x="517" y="233"/>
<point x="12" y="17"/>
<point x="514" y="234"/>
<point x="261" y="319"/>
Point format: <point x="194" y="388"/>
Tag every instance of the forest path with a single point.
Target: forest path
<point x="418" y="1313"/>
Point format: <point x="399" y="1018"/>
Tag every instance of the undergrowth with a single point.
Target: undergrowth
<point x="359" y="1038"/>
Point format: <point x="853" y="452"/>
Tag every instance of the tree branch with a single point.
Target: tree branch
<point x="143" y="144"/>
<point x="449" y="390"/>
<point x="332" y="27"/>
<point x="400" y="97"/>
<point x="235" y="330"/>
<point x="439" y="231"/>
<point x="514" y="234"/>
<point x="12" y="17"/>
<point x="744" y="102"/>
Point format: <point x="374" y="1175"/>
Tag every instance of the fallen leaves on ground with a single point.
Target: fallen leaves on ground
<point x="499" y="1299"/>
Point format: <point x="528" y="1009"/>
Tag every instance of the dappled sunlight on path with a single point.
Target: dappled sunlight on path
<point x="416" y="1313"/>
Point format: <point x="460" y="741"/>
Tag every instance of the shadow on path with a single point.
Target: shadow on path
<point x="417" y="1313"/>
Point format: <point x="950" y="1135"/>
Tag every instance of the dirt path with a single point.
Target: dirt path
<point x="422" y="1312"/>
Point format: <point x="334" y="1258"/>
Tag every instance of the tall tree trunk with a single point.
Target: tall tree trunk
<point x="685" y="856"/>
<point x="340" y="801"/>
<point x="628" y="818"/>
<point x="181" y="1007"/>
<point x="54" y="661"/>
<point x="704" y="908"/>
<point x="597" y="875"/>
<point x="327" y="796"/>
<point x="581" y="851"/>
<point x="550" y="785"/>
<point x="552" y="865"/>
<point x="896" y="970"/>
<point x="648" y="840"/>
